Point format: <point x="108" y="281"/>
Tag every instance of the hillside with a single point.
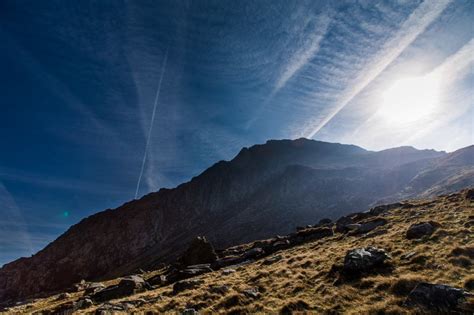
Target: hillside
<point x="413" y="245"/>
<point x="265" y="190"/>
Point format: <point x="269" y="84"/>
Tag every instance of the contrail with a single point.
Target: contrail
<point x="163" y="67"/>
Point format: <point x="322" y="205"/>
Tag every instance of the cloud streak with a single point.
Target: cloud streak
<point x="158" y="90"/>
<point x="417" y="22"/>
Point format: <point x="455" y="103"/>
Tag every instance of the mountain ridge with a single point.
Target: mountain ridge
<point x="236" y="197"/>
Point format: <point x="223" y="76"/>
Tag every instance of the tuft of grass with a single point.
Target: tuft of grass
<point x="405" y="284"/>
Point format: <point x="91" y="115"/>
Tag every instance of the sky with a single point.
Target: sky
<point x="105" y="101"/>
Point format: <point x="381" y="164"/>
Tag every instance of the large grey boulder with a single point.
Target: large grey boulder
<point x="365" y="259"/>
<point x="200" y="251"/>
<point x="127" y="286"/>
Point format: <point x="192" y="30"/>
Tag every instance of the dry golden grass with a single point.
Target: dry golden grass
<point x="301" y="281"/>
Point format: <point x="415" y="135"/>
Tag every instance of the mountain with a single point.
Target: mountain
<point x="265" y="190"/>
<point x="411" y="257"/>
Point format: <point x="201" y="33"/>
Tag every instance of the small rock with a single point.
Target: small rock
<point x="83" y="303"/>
<point x="189" y="311"/>
<point x="437" y="297"/>
<point x="93" y="287"/>
<point x="368" y="226"/>
<point x="63" y="296"/>
<point x="363" y="259"/>
<point x="228" y="271"/>
<point x="251" y="293"/>
<point x="324" y="221"/>
<point x="341" y="224"/>
<point x="272" y="260"/>
<point x="253" y="253"/>
<point x="419" y="230"/>
<point x="186" y="285"/>
<point x="219" y="289"/>
<point x="407" y="255"/>
<point x="313" y="234"/>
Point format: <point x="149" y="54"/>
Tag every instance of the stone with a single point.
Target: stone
<point x="253" y="253"/>
<point x="228" y="271"/>
<point x="186" y="285"/>
<point x="341" y="224"/>
<point x="219" y="289"/>
<point x="324" y="221"/>
<point x="438" y="298"/>
<point x="368" y="225"/>
<point x="83" y="303"/>
<point x="63" y="296"/>
<point x="378" y="210"/>
<point x="313" y="234"/>
<point x="127" y="286"/>
<point x="419" y="230"/>
<point x="251" y="293"/>
<point x="200" y="251"/>
<point x="93" y="287"/>
<point x="189" y="311"/>
<point x="272" y="260"/>
<point x="365" y="259"/>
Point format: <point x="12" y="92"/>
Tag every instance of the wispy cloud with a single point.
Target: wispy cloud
<point x="417" y="22"/>
<point x="12" y="213"/>
<point x="375" y="131"/>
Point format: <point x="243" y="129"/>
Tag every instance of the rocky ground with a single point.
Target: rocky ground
<point x="415" y="256"/>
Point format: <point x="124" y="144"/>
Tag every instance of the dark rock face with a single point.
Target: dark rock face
<point x="200" y="251"/>
<point x="362" y="260"/>
<point x="265" y="190"/>
<point x="420" y="230"/>
<point x="439" y="298"/>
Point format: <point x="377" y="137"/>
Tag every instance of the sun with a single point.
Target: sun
<point x="410" y="100"/>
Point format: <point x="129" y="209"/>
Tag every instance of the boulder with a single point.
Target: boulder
<point x="200" y="251"/>
<point x="342" y="223"/>
<point x="419" y="230"/>
<point x="362" y="260"/>
<point x="127" y="286"/>
<point x="438" y="298"/>
<point x="368" y="225"/>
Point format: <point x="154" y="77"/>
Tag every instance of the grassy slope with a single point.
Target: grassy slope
<point x="301" y="279"/>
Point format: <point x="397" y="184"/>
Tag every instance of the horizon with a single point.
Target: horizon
<point x="105" y="102"/>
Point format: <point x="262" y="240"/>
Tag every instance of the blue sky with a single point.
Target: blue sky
<point x="79" y="81"/>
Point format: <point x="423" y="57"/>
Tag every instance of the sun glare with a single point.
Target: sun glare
<point x="410" y="100"/>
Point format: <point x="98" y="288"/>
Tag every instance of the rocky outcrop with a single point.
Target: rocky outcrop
<point x="265" y="190"/>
